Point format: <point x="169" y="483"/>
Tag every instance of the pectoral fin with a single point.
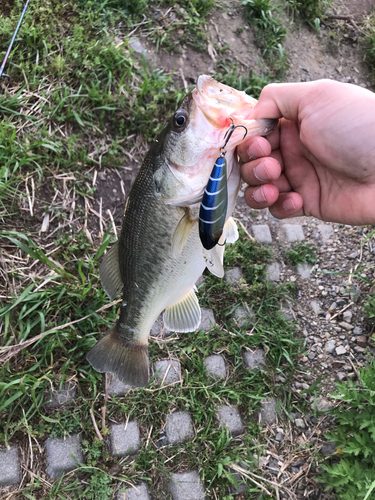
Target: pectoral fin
<point x="185" y="315"/>
<point x="109" y="272"/>
<point x="230" y="232"/>
<point x="182" y="232"/>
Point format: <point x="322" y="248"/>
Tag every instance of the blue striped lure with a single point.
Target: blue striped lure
<point x="213" y="210"/>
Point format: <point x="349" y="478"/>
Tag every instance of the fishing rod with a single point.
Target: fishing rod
<point x="2" y="74"/>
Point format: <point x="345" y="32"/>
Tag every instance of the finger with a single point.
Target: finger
<point x="261" y="197"/>
<point x="282" y="184"/>
<point x="264" y="170"/>
<point x="254" y="147"/>
<point x="287" y="205"/>
<point x="281" y="100"/>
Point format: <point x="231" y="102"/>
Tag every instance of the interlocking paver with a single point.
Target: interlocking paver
<point x="158" y="328"/>
<point x="273" y="272"/>
<point x="304" y="270"/>
<point x="254" y="360"/>
<point x="230" y="417"/>
<point x="167" y="371"/>
<point x="63" y="454"/>
<point x="293" y="232"/>
<point x="262" y="233"/>
<point x="234" y="275"/>
<point x="242" y="487"/>
<point x="9" y="467"/>
<point x="244" y="316"/>
<point x="59" y="397"/>
<point x="215" y="366"/>
<point x="268" y="411"/>
<point x="137" y="492"/>
<point x="186" y="486"/>
<point x="179" y="427"/>
<point x="325" y="230"/>
<point x="207" y="320"/>
<point x="117" y="387"/>
<point x="125" y="439"/>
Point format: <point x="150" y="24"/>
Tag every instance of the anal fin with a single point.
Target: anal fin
<point x="185" y="315"/>
<point x="110" y="274"/>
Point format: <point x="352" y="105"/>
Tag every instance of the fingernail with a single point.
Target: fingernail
<point x="288" y="204"/>
<point x="261" y="173"/>
<point x="255" y="151"/>
<point x="259" y="195"/>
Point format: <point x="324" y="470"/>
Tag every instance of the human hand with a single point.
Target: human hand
<point x="320" y="161"/>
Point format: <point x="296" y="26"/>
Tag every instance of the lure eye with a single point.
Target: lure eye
<point x="180" y="119"/>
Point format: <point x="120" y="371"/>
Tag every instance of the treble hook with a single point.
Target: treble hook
<point x="228" y="135"/>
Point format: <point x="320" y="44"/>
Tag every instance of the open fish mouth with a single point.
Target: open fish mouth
<point x="223" y="106"/>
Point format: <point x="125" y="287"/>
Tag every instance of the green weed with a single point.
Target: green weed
<point x="301" y="253"/>
<point x="311" y="11"/>
<point x="352" y="474"/>
<point x="369" y="45"/>
<point x="269" y="31"/>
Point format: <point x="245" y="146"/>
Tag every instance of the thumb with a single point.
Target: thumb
<point x="281" y="100"/>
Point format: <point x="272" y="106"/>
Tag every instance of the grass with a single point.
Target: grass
<point x="270" y="32"/>
<point x="301" y="253"/>
<point x="310" y="11"/>
<point x="369" y="45"/>
<point x="351" y="471"/>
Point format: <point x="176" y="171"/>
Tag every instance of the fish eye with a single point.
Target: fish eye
<point x="180" y="118"/>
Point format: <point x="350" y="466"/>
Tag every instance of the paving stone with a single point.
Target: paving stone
<point x="59" y="397"/>
<point x="293" y="232"/>
<point x="117" y="387"/>
<point x="167" y="371"/>
<point x="125" y="439"/>
<point x="9" y="467"/>
<point x="63" y="454"/>
<point x="242" y="487"/>
<point x="273" y="272"/>
<point x="325" y="230"/>
<point x="186" y="486"/>
<point x="158" y="328"/>
<point x="215" y="366"/>
<point x="254" y="360"/>
<point x="304" y="270"/>
<point x="200" y="281"/>
<point x="230" y="417"/>
<point x="138" y="492"/>
<point x="244" y="316"/>
<point x="179" y="427"/>
<point x="234" y="275"/>
<point x="268" y="411"/>
<point x="207" y="320"/>
<point x="262" y="233"/>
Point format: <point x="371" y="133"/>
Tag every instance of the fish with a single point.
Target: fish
<point x="159" y="257"/>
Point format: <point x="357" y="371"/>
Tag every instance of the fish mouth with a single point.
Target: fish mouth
<point x="221" y="106"/>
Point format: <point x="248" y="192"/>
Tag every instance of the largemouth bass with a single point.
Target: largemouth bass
<point x="159" y="256"/>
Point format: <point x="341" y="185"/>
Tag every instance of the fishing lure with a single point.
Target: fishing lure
<point x="2" y="74"/>
<point x="213" y="209"/>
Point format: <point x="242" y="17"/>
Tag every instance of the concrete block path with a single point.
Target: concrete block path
<point x="179" y="427"/>
<point x="125" y="439"/>
<point x="63" y="454"/>
<point x="138" y="492"/>
<point x="10" y="472"/>
<point x="168" y="371"/>
<point x="186" y="486"/>
<point x="230" y="417"/>
<point x="215" y="366"/>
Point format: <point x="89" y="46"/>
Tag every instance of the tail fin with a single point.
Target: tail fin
<point x="128" y="361"/>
